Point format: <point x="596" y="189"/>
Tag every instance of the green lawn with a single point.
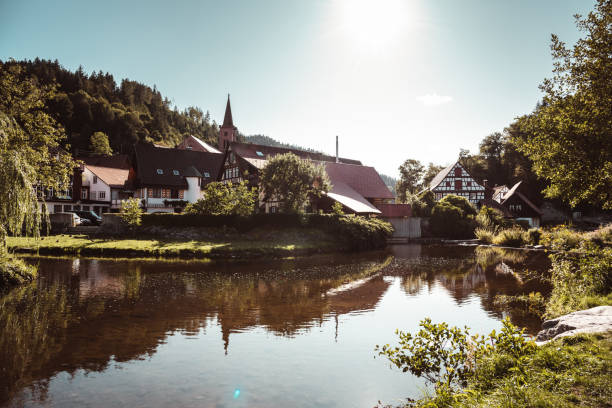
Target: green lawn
<point x="284" y="245"/>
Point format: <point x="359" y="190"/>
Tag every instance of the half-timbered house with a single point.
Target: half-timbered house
<point x="455" y="179"/>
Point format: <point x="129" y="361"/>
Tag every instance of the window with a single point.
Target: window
<point x="260" y="154"/>
<point x="232" y="157"/>
<point x="155" y="192"/>
<point x="469" y="184"/>
<point x="174" y="194"/>
<point x="175" y="172"/>
<point x="273" y="210"/>
<point x="67" y="208"/>
<point x="457" y="171"/>
<point x="76" y="207"/>
<point x="160" y="171"/>
<point x="57" y="208"/>
<point x="85" y="208"/>
<point x="189" y="147"/>
<point x="83" y="194"/>
<point x="101" y="195"/>
<point x="206" y="174"/>
<point x="95" y="179"/>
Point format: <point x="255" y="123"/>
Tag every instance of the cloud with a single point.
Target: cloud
<point x="434" y="99"/>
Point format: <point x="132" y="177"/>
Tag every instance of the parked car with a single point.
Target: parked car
<point x="91" y="217"/>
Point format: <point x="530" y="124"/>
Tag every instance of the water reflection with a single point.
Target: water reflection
<point x="87" y="314"/>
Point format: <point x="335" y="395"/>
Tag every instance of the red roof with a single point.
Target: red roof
<point x="363" y="179"/>
<point x="395" y="210"/>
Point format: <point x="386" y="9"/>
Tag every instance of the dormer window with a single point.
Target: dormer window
<point x="175" y="172"/>
<point x="206" y="174"/>
<point x="160" y="171"/>
<point x="95" y="179"/>
<point x="260" y="154"/>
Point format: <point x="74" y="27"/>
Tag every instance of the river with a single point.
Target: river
<point x="286" y="333"/>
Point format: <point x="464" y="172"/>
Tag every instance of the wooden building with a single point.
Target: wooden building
<point x="516" y="205"/>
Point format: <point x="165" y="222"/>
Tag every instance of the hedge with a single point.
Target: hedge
<point x="354" y="231"/>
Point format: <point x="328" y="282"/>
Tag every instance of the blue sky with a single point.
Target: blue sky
<point x="395" y="79"/>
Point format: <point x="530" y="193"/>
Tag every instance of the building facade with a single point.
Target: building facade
<point x="455" y="179"/>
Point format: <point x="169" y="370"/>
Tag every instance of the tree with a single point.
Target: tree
<point x="411" y="173"/>
<point x="568" y="136"/>
<point x="430" y="173"/>
<point x="224" y="199"/>
<point x="98" y="144"/>
<point x="291" y="181"/>
<point x="31" y="157"/>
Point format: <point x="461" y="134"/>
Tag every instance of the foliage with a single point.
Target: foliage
<point x="491" y="219"/>
<point x="337" y="209"/>
<point x="291" y="181"/>
<point x="98" y="144"/>
<point x="131" y="213"/>
<point x="453" y="217"/>
<point x="411" y="173"/>
<point x="568" y="136"/>
<point x="431" y="172"/>
<point x="449" y="357"/>
<point x="561" y="238"/>
<point x="224" y="199"/>
<point x="580" y="281"/>
<point x="533" y="236"/>
<point x="14" y="271"/>
<point x="513" y="237"/>
<point x="601" y="236"/>
<point x="484" y="235"/>
<point x="127" y="112"/>
<point x="533" y="303"/>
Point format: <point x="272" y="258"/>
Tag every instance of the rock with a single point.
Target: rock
<point x="594" y="320"/>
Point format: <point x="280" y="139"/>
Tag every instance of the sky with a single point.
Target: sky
<point x="394" y="79"/>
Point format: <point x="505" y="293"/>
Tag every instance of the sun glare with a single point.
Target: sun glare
<point x="374" y="23"/>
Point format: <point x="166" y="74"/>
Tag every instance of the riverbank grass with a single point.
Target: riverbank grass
<point x="284" y="244"/>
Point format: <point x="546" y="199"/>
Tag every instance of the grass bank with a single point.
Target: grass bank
<point x="285" y="243"/>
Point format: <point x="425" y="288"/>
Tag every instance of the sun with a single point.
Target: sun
<point x="374" y="23"/>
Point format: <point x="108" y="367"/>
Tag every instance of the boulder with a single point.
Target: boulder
<point x="594" y="320"/>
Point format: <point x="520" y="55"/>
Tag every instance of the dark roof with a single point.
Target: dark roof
<point x="514" y="191"/>
<point x="149" y="159"/>
<point x="364" y="180"/>
<point x="227" y="119"/>
<point x="117" y="161"/>
<point x="249" y="151"/>
<point x="494" y="204"/>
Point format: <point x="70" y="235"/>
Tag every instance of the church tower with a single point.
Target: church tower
<point x="227" y="132"/>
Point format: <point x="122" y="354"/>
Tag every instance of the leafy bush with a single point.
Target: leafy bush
<point x="337" y="208"/>
<point x="513" y="237"/>
<point x="131" y="213"/>
<point x="484" y="235"/>
<point x="580" y="281"/>
<point x="224" y="199"/>
<point x="14" y="271"/>
<point x="453" y="217"/>
<point x="491" y="219"/>
<point x="601" y="236"/>
<point x="561" y="238"/>
<point x="533" y="236"/>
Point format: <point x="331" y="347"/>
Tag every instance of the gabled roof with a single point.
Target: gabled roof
<point x="201" y="143"/>
<point x="113" y="177"/>
<point x="118" y="161"/>
<point x="440" y="176"/>
<point x="514" y="191"/>
<point x="350" y="198"/>
<point x="365" y="180"/>
<point x="149" y="159"/>
<point x="250" y="151"/>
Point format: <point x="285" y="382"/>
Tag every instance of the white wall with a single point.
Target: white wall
<point x="193" y="192"/>
<point x="95" y="188"/>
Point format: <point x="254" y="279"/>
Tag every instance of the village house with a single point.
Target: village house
<point x="516" y="205"/>
<point x="166" y="179"/>
<point x="357" y="187"/>
<point x="455" y="179"/>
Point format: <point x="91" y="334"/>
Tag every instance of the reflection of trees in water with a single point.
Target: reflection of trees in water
<point x="122" y="311"/>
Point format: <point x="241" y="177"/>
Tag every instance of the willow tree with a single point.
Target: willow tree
<point x="31" y="156"/>
<point x="291" y="180"/>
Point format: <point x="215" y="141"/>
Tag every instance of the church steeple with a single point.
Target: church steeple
<point x="227" y="132"/>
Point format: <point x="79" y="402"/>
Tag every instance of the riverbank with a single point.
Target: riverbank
<point x="14" y="271"/>
<point x="277" y="244"/>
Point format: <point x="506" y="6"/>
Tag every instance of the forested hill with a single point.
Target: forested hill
<point x="127" y="112"/>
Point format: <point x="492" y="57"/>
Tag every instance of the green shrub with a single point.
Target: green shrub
<point x="131" y="213"/>
<point x="533" y="236"/>
<point x="14" y="271"/>
<point x="561" y="238"/>
<point x="600" y="236"/>
<point x="491" y="219"/>
<point x="513" y="237"/>
<point x="453" y="221"/>
<point x="484" y="235"/>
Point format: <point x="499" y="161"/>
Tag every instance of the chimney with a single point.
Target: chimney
<point x="337" y="160"/>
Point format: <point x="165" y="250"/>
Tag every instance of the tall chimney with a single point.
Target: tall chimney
<point x="337" y="160"/>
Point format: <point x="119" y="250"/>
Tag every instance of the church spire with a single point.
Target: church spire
<point x="227" y="119"/>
